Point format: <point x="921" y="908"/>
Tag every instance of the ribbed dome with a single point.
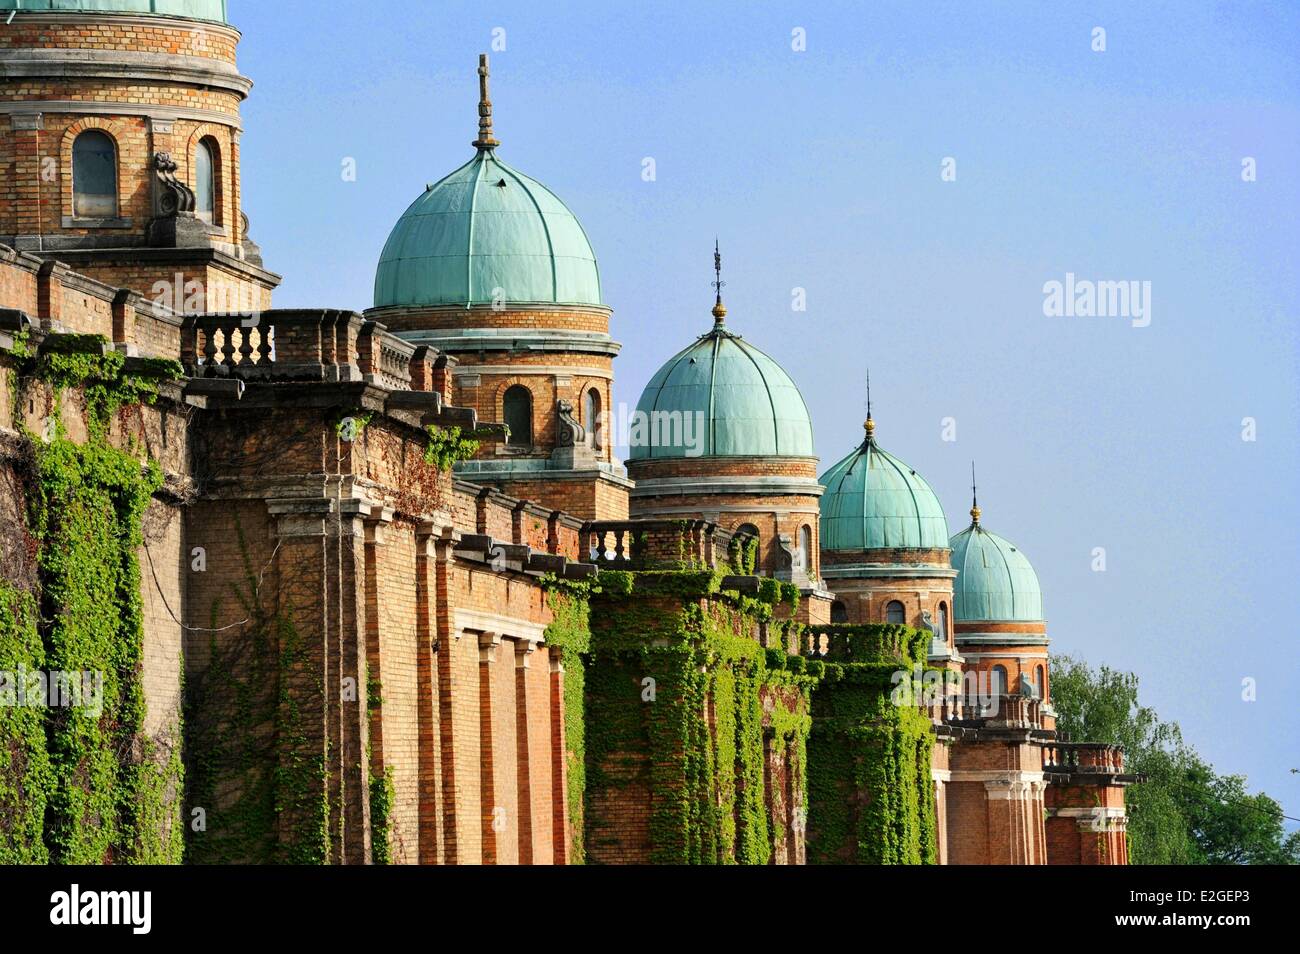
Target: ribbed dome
<point x="191" y="9"/>
<point x="875" y="501"/>
<point x="486" y="231"/>
<point x="995" y="582"/>
<point x="746" y="404"/>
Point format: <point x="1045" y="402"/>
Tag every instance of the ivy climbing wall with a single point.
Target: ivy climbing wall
<point x="689" y="719"/>
<point x="870" y="793"/>
<point x="85" y="776"/>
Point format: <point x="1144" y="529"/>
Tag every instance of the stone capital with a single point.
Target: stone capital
<point x="487" y="647"/>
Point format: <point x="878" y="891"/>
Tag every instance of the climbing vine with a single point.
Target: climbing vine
<point x="569" y="636"/>
<point x="26" y="778"/>
<point x="680" y="696"/>
<point x="871" y="798"/>
<point x="100" y="788"/>
<point x="446" y="446"/>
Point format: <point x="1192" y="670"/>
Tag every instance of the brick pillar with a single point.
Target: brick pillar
<point x="310" y="671"/>
<point x="1039" y="819"/>
<point x="560" y="834"/>
<point x="940" y="819"/>
<point x="346" y="563"/>
<point x="374" y="663"/>
<point x="29" y="191"/>
<point x="320" y="566"/>
<point x="125" y="305"/>
<point x="1006" y="834"/>
<point x="426" y="677"/>
<point x="487" y="657"/>
<point x="524" y="650"/>
<point x="797" y="799"/>
<point x="375" y="524"/>
<point x="447" y="639"/>
<point x="49" y="293"/>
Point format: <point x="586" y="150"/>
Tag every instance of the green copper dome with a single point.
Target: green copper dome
<point x="733" y="397"/>
<point x="875" y="501"/>
<point x="995" y="582"/>
<point x="192" y="9"/>
<point x="487" y="233"/>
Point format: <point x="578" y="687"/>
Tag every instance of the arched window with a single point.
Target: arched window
<point x="94" y="176"/>
<point x="517" y="409"/>
<point x="805" y="548"/>
<point x="894" y="612"/>
<point x="943" y="621"/>
<point x="839" y="613"/>
<point x="998" y="681"/>
<point x="591" y="417"/>
<point x="205" y="180"/>
<point x="1041" y="678"/>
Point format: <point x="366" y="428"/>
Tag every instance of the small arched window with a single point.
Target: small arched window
<point x="517" y="410"/>
<point x="894" y="612"/>
<point x="94" y="176"/>
<point x="805" y="548"/>
<point x="998" y="681"/>
<point x="205" y="180"/>
<point x="591" y="417"/>
<point x="943" y="621"/>
<point x="839" y="613"/>
<point x="1041" y="678"/>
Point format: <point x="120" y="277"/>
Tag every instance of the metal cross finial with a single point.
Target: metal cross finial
<point x="719" y="309"/>
<point x="974" y="498"/>
<point x="485" y="140"/>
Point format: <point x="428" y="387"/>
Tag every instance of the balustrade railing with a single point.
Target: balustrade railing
<point x="312" y="344"/>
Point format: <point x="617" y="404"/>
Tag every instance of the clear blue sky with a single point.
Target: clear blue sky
<point x="821" y="170"/>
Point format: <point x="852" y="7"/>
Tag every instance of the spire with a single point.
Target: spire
<point x="869" y="424"/>
<point x="719" y="309"/>
<point x="485" y="141"/>
<point x="974" y="499"/>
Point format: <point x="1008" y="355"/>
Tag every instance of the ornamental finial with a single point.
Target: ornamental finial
<point x="719" y="309"/>
<point x="485" y="140"/>
<point x="869" y="425"/>
<point x="974" y="498"/>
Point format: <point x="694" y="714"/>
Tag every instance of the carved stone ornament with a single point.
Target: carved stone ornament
<point x="569" y="433"/>
<point x="174" y="196"/>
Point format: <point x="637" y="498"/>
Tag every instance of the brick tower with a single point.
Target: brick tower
<point x="491" y="269"/>
<point x="998" y="615"/>
<point x="885" y="545"/>
<point x="721" y="432"/>
<point x="121" y="149"/>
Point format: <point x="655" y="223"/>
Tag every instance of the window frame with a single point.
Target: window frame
<point x="75" y="218"/>
<point x="210" y="145"/>
<point x="526" y="393"/>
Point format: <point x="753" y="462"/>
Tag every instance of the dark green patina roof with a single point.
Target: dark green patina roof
<point x="995" y="581"/>
<point x="875" y="501"/>
<point x="746" y="403"/>
<point x="485" y="233"/>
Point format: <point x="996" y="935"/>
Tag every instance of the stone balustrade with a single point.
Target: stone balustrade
<point x="646" y="544"/>
<point x="299" y="344"/>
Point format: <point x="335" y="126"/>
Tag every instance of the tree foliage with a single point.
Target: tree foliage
<point x="1184" y="813"/>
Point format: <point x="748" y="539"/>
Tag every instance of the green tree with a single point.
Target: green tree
<point x="1183" y="813"/>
